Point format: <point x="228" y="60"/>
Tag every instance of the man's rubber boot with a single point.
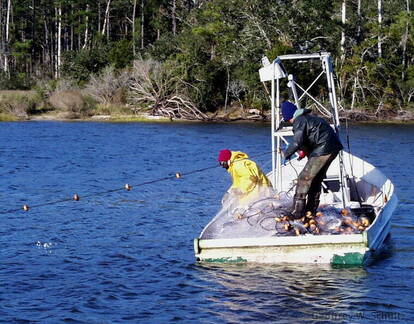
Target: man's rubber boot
<point x="299" y="206"/>
<point x="312" y="206"/>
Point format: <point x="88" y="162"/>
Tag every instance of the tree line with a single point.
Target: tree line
<point x="205" y="54"/>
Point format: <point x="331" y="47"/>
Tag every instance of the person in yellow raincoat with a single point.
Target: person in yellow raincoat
<point x="249" y="181"/>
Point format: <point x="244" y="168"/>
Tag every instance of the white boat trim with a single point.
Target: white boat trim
<point x="307" y="239"/>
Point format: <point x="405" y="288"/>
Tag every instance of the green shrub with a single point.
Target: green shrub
<point x="120" y="54"/>
<point x="15" y="81"/>
<point x="80" y="65"/>
<point x="70" y="102"/>
<point x="19" y="103"/>
<point x="7" y="117"/>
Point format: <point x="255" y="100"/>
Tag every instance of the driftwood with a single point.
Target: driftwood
<point x="377" y="115"/>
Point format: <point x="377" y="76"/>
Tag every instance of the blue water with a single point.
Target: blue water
<point x="127" y="257"/>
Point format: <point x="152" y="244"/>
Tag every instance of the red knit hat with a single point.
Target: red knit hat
<point x="224" y="155"/>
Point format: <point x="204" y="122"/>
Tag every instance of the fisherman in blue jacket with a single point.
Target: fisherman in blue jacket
<point x="317" y="138"/>
<point x="288" y="108"/>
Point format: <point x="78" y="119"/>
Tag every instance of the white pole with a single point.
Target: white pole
<point x="278" y="151"/>
<point x="273" y="128"/>
<point x="292" y="85"/>
<point x="327" y="61"/>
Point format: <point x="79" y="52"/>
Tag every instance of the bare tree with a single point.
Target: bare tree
<point x="228" y="84"/>
<point x="134" y="8"/>
<point x="106" y="19"/>
<point x="6" y="59"/>
<point x="259" y="25"/>
<point x="85" y="43"/>
<point x="343" y="29"/>
<point x="106" y="85"/>
<point x="237" y="87"/>
<point x="380" y="26"/>
<point x="359" y="14"/>
<point x="142" y="24"/>
<point x="404" y="42"/>
<point x="174" y="17"/>
<point x="155" y="87"/>
<point x="2" y="44"/>
<point x="59" y="40"/>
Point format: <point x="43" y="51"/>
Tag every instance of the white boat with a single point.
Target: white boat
<point x="350" y="183"/>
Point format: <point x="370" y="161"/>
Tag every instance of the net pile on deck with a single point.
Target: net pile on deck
<point x="269" y="217"/>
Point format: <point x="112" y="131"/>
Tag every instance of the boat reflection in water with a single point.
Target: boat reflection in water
<point x="292" y="293"/>
<point x="282" y="292"/>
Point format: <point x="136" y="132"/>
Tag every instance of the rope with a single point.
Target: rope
<point x="351" y="162"/>
<point x="126" y="187"/>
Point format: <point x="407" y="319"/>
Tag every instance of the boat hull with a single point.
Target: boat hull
<point x="324" y="249"/>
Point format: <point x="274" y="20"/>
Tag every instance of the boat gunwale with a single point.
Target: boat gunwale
<point x="283" y="241"/>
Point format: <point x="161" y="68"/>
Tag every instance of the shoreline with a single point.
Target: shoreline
<point x="148" y="118"/>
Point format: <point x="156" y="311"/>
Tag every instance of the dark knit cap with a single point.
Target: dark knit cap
<point x="288" y="109"/>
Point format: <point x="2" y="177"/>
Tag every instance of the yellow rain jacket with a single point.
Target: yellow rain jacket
<point x="247" y="177"/>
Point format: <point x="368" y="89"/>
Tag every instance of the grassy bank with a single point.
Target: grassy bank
<point x="73" y="105"/>
<point x="118" y="118"/>
<point x="7" y="117"/>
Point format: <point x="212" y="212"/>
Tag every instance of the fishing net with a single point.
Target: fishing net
<point x="269" y="216"/>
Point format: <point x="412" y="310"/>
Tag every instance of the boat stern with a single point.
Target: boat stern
<point x="346" y="250"/>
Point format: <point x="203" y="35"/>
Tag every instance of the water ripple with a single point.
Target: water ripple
<point x="127" y="257"/>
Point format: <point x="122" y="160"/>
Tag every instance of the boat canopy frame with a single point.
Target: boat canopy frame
<point x="276" y="71"/>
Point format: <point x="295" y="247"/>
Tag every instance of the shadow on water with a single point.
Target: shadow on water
<point x="385" y="252"/>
